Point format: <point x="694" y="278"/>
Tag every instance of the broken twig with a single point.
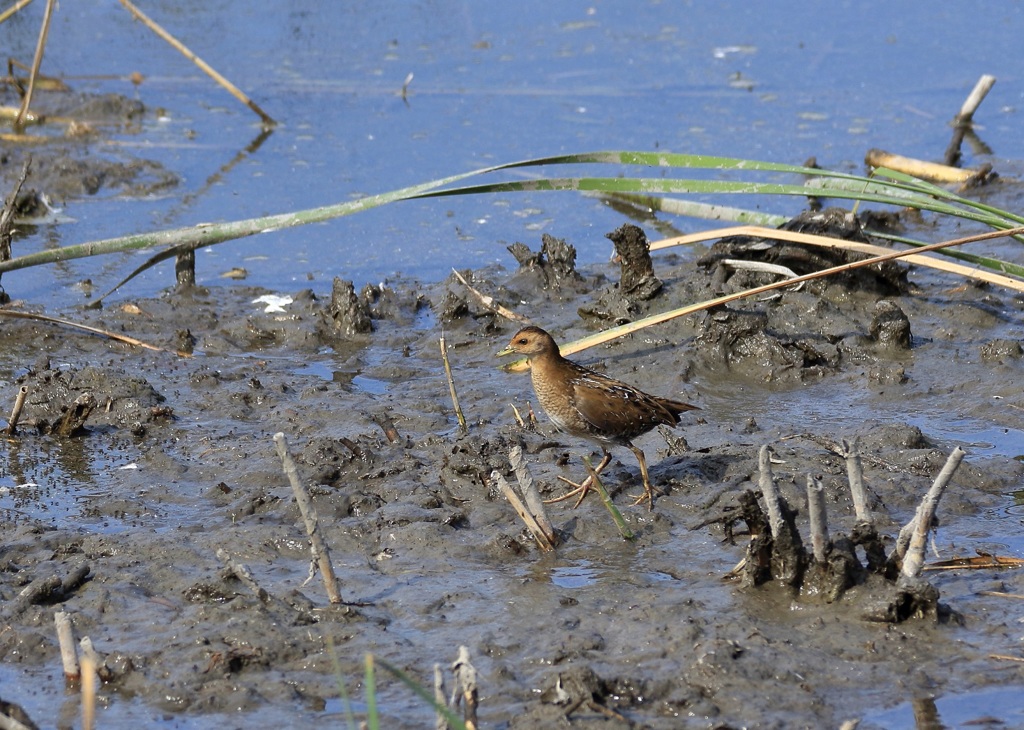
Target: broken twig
<point x="524" y="513"/>
<point x="855" y="474"/>
<point x="19" y="404"/>
<point x="534" y="503"/>
<point x="769" y="490"/>
<point x="318" y="547"/>
<point x="66" y="641"/>
<point x="451" y="387"/>
<point x="913" y="560"/>
<point x="818" y="517"/>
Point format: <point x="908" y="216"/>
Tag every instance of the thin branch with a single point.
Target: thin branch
<point x="451" y="386"/>
<point x="19" y="404"/>
<point x="318" y="546"/>
<point x="268" y="121"/>
<point x="37" y="60"/>
<point x="488" y="302"/>
<point x="86" y="328"/>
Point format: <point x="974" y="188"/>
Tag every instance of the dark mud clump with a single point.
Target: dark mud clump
<point x="628" y="298"/>
<point x="66" y="169"/>
<point x="886" y="279"/>
<point x="62" y="401"/>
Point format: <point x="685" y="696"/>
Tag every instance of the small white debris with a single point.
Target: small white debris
<point x="274" y="302"/>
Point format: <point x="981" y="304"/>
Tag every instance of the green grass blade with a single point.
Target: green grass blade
<point x="887" y="187"/>
<point x="617" y="518"/>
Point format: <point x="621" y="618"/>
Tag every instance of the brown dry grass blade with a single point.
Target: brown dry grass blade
<point x="977" y="563"/>
<point x="92" y="330"/>
<point x="826" y="242"/>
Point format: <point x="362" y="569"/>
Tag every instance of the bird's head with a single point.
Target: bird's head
<point x="530" y="341"/>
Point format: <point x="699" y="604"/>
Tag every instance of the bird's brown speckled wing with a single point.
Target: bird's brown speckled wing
<point x="615" y="411"/>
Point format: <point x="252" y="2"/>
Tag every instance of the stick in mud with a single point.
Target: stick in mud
<point x="769" y="490"/>
<point x="88" y="652"/>
<point x="268" y="121"/>
<point x="10" y="208"/>
<point x="242" y="572"/>
<point x="913" y="560"/>
<point x="465" y="687"/>
<point x="88" y="693"/>
<point x="66" y="640"/>
<point x="185" y="268"/>
<point x="529" y="489"/>
<point x="962" y="121"/>
<point x="19" y="404"/>
<point x="439" y="698"/>
<point x="451" y="387"/>
<point x="818" y="517"/>
<point x="489" y="303"/>
<point x="321" y="555"/>
<point x="524" y="514"/>
<point x="855" y="474"/>
<point x="382" y="419"/>
<point x="37" y="60"/>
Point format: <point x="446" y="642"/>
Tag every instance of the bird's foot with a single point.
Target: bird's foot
<point x="581" y="489"/>
<point x="647" y="496"/>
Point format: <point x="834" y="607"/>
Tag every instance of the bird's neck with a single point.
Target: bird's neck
<point x="545" y="365"/>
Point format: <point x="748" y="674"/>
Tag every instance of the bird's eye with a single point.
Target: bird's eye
<point x="522" y="341"/>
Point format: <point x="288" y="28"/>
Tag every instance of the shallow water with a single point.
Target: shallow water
<point x="492" y="84"/>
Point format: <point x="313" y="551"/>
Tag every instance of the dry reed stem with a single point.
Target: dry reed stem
<point x="855" y="475"/>
<point x="37" y="60"/>
<point x="318" y="547"/>
<point x="19" y="404"/>
<point x="974" y="99"/>
<point x="922" y="169"/>
<point x="86" y="328"/>
<point x="528" y="487"/>
<point x="913" y="560"/>
<point x="268" y="121"/>
<point x="769" y="491"/>
<point x="488" y="302"/>
<point x="818" y="518"/>
<point x="66" y="640"/>
<point x="451" y="387"/>
<point x="88" y="693"/>
<point x="524" y="514"/>
<point x="13" y="9"/>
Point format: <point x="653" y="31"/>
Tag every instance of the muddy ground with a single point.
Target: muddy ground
<point x="429" y="553"/>
<point x="174" y="460"/>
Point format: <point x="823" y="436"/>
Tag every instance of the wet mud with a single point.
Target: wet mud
<point x="175" y="461"/>
<point x="133" y="474"/>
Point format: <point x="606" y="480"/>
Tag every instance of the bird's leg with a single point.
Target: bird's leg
<point x="583" y="487"/>
<point x="648" y="489"/>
